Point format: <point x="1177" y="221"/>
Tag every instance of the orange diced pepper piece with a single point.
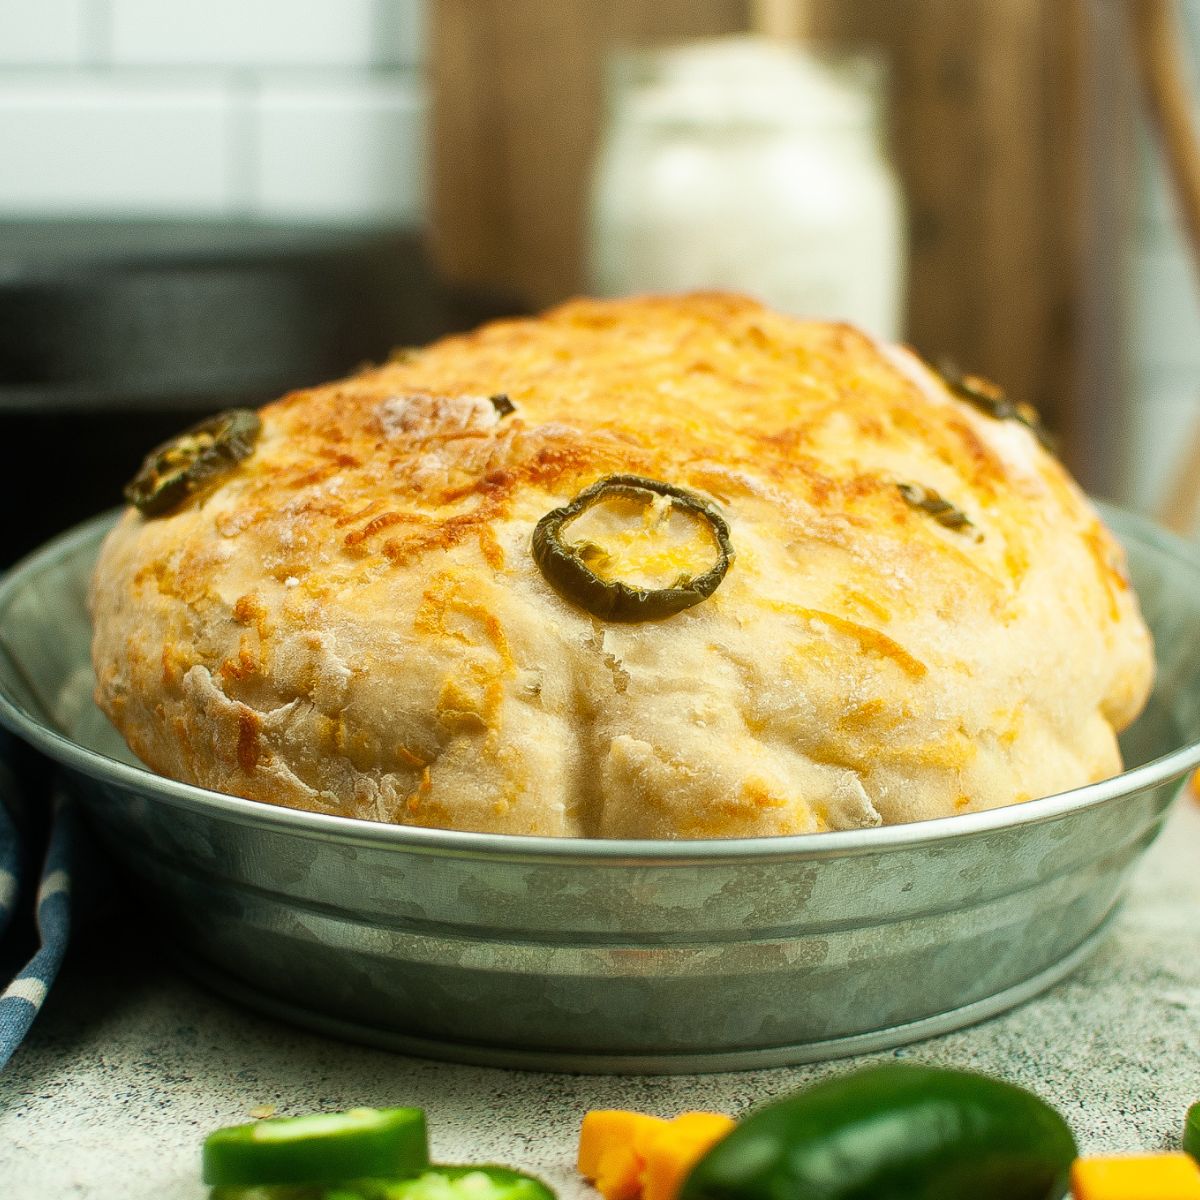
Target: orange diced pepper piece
<point x="672" y="1152"/>
<point x="633" y="1156"/>
<point x="610" y="1153"/>
<point x="1136" y="1177"/>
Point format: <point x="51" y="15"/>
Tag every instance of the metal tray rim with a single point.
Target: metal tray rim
<point x="642" y="852"/>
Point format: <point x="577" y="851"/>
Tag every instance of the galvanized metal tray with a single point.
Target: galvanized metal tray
<point x="605" y="955"/>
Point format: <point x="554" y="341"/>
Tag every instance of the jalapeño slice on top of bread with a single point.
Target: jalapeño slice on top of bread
<point x="634" y="549"/>
<point x="992" y="399"/>
<point x="926" y="500"/>
<point x="173" y="471"/>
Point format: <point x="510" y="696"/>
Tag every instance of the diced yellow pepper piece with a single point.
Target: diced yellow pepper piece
<point x="633" y="1156"/>
<point x="1136" y="1177"/>
<point x="610" y="1155"/>
<point x="671" y="1153"/>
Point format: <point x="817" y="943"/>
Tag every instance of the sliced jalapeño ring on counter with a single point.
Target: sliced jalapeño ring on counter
<point x="318" y="1148"/>
<point x="634" y="549"/>
<point x="463" y="1183"/>
<point x="438" y="1183"/>
<point x="893" y="1132"/>
<point x="173" y="471"/>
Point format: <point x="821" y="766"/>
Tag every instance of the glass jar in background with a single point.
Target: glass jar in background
<point x="750" y="165"/>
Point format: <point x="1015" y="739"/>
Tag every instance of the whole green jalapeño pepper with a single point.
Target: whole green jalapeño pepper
<point x="894" y="1132"/>
<point x="322" y="1147"/>
<point x="584" y="572"/>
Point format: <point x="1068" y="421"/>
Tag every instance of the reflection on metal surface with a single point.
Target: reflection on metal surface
<point x="604" y="955"/>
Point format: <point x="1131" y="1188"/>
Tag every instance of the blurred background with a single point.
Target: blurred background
<point x="207" y="204"/>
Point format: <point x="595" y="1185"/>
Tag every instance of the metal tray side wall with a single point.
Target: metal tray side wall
<point x="584" y="960"/>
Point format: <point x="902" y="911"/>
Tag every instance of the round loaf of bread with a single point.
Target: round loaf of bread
<point x="922" y="616"/>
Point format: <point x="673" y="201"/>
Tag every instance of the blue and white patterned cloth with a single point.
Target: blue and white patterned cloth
<point x="37" y="846"/>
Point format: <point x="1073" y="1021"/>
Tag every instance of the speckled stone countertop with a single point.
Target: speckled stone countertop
<point x="130" y="1064"/>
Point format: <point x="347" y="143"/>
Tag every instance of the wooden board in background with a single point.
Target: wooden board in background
<point x="987" y="135"/>
<point x="985" y="139"/>
<point x="517" y="99"/>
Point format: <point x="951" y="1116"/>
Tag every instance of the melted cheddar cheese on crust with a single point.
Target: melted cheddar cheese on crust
<point x="351" y="621"/>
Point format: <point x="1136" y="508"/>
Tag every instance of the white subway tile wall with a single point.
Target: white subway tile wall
<point x="1164" y="323"/>
<point x="1162" y="392"/>
<point x="43" y="31"/>
<point x="261" y="33"/>
<point x="1159" y="426"/>
<point x="292" y="109"/>
<point x="322" y="149"/>
<point x="92" y="144"/>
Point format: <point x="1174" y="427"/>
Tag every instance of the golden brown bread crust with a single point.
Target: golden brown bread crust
<point x="351" y="622"/>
